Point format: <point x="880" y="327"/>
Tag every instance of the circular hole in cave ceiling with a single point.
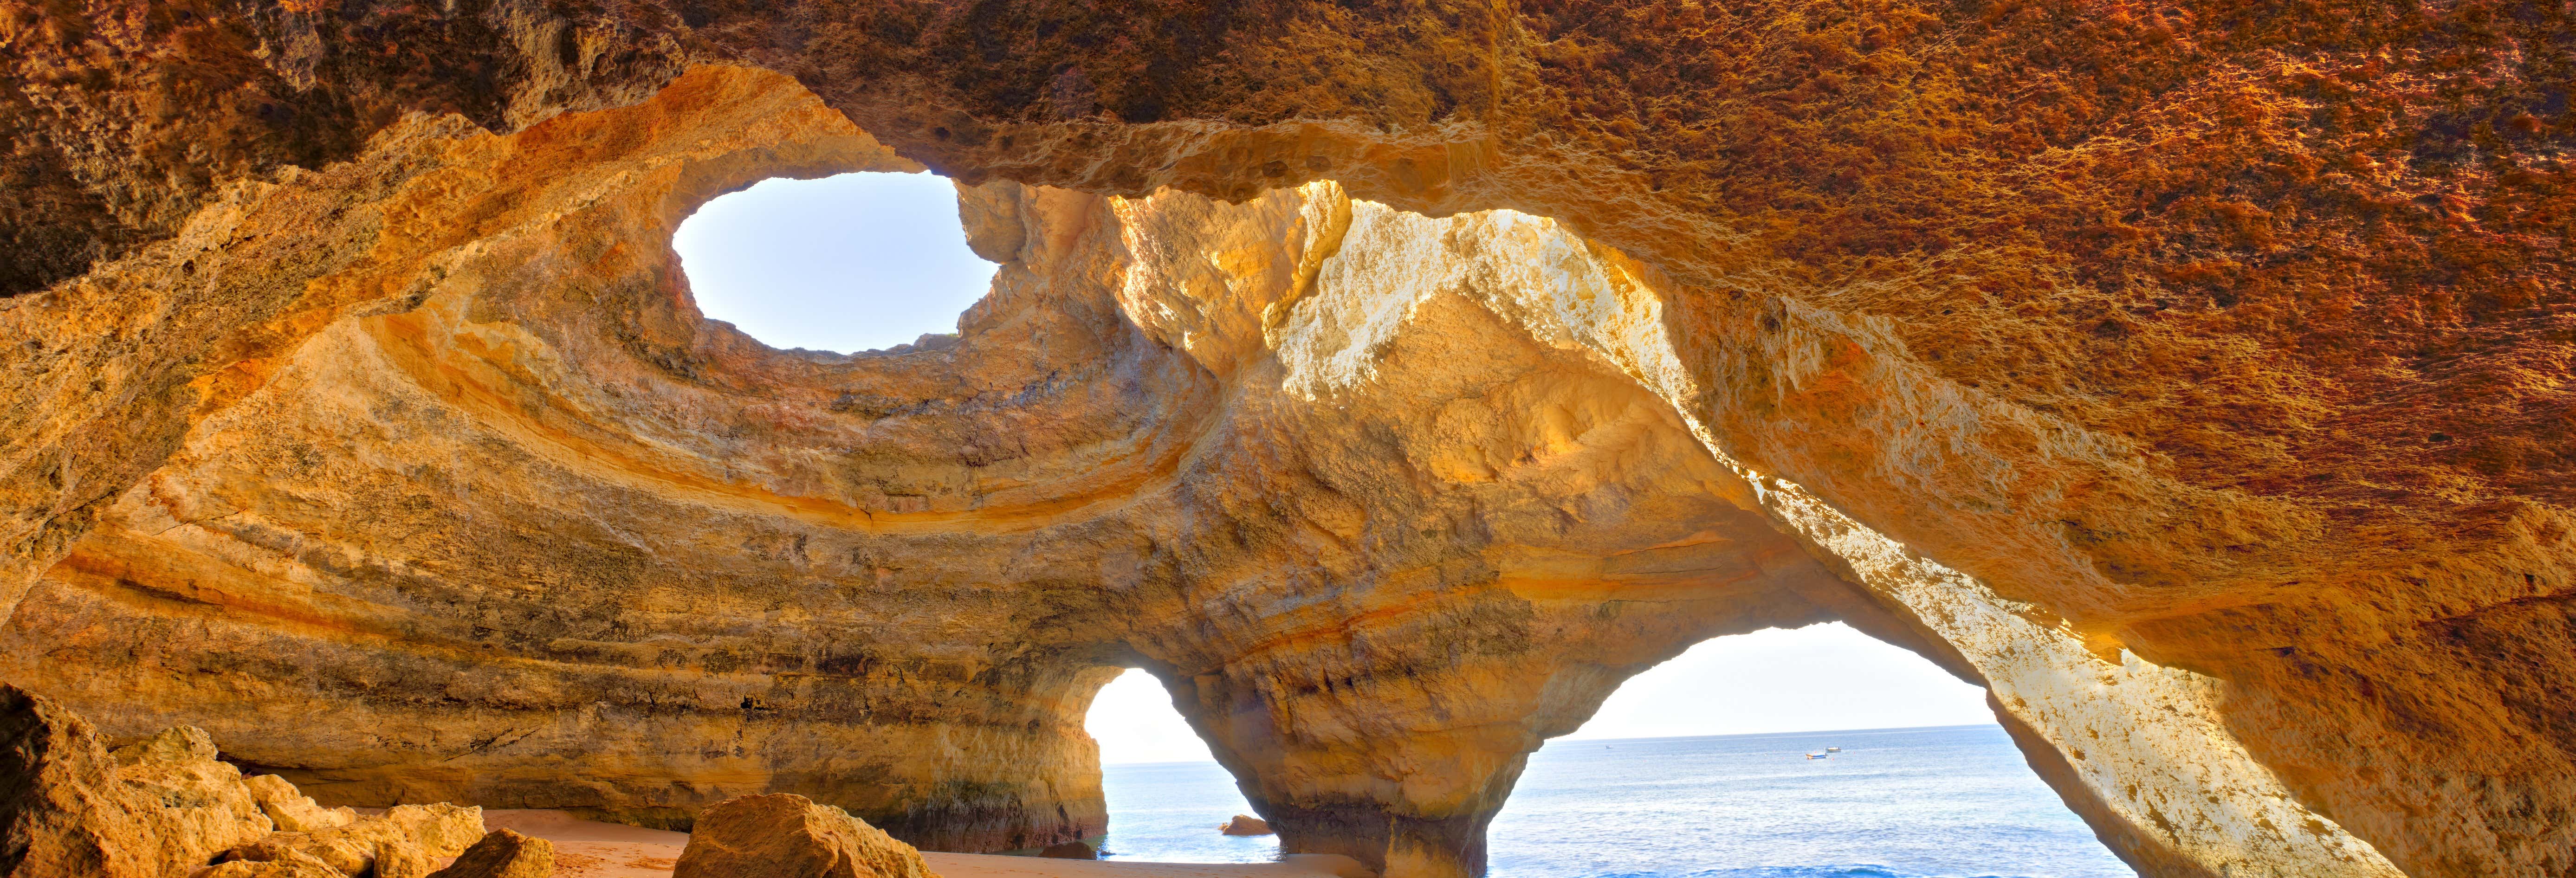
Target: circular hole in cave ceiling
<point x="855" y="262"/>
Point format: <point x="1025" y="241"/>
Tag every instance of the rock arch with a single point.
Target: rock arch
<point x="405" y="450"/>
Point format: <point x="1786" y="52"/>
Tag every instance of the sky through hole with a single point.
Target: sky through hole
<point x="867" y="261"/>
<point x="855" y="262"/>
<point x="1821" y="677"/>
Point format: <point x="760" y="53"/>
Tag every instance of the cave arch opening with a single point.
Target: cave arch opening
<point x="1815" y="748"/>
<point x="1700" y="762"/>
<point x="1165" y="792"/>
<point x="853" y="262"/>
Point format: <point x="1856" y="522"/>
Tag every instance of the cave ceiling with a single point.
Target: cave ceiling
<point x="1391" y="379"/>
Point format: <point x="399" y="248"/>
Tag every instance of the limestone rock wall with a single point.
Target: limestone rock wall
<point x="893" y="580"/>
<point x="572" y="585"/>
<point x="2187" y="374"/>
<point x="169" y="806"/>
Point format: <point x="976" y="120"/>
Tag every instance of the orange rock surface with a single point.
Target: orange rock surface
<point x="1392" y="380"/>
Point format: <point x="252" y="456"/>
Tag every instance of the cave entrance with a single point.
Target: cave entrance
<point x="1702" y="763"/>
<point x="1166" y="793"/>
<point x="854" y="262"/>
<point x="1697" y="766"/>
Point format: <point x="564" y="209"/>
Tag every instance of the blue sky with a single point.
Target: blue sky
<point x="850" y="263"/>
<point x="1821" y="677"/>
<point x="866" y="261"/>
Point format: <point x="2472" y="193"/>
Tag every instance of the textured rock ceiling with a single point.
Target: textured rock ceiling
<point x="1392" y="379"/>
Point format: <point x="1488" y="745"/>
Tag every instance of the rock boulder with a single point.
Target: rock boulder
<point x="1069" y="850"/>
<point x="403" y="842"/>
<point x="789" y="836"/>
<point x="503" y="853"/>
<point x="181" y="744"/>
<point x="62" y="811"/>
<point x="69" y="807"/>
<point x="192" y="805"/>
<point x="442" y="829"/>
<point x="165" y="806"/>
<point x="297" y="868"/>
<point x="291" y="810"/>
<point x="1244" y="824"/>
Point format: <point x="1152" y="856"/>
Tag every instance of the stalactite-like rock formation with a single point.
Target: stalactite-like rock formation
<point x="1391" y="380"/>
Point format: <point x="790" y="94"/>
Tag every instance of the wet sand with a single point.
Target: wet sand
<point x="591" y="849"/>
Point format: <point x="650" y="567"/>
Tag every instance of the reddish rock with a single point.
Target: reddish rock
<point x="1069" y="850"/>
<point x="788" y="836"/>
<point x="62" y="812"/>
<point x="291" y="810"/>
<point x="400" y="843"/>
<point x="192" y="805"/>
<point x="503" y="853"/>
<point x="70" y="807"/>
<point x="305" y="867"/>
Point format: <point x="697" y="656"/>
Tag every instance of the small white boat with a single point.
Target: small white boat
<point x="1833" y="749"/>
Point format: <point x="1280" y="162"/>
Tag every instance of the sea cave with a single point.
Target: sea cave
<point x="1390" y="381"/>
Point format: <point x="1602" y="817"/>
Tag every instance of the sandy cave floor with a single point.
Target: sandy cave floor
<point x="591" y="849"/>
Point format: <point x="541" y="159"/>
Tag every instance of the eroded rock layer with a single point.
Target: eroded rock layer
<point x="168" y="807"/>
<point x="2190" y="376"/>
<point x="693" y="567"/>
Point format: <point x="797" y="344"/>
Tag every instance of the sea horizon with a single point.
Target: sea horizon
<point x="1571" y="738"/>
<point x="1952" y="801"/>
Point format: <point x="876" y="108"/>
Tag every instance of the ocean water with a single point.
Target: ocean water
<point x="1895" y="803"/>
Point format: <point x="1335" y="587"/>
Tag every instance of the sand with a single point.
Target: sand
<point x="991" y="866"/>
<point x="591" y="849"/>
